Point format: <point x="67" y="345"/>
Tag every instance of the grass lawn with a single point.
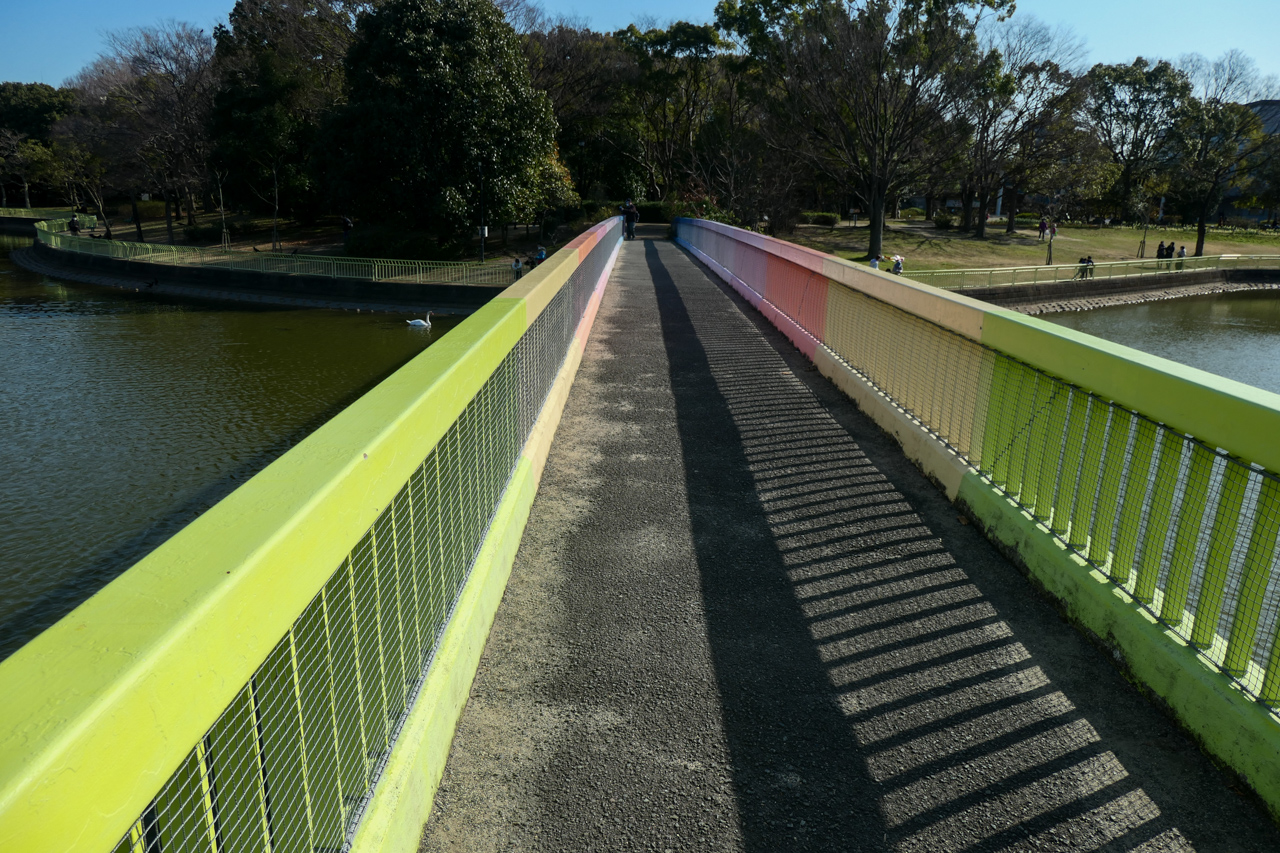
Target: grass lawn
<point x="926" y="248"/>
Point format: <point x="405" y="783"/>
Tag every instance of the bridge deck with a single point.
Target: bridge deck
<point x="741" y="620"/>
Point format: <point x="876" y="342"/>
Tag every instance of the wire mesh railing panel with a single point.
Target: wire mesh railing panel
<point x="1187" y="529"/>
<point x="291" y="763"/>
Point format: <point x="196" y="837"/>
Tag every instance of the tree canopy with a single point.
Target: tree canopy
<point x="439" y="99"/>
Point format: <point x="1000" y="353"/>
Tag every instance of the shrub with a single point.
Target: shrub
<point x="153" y="209"/>
<point x="815" y="217"/>
<point x="654" y="211"/>
<point x="703" y="208"/>
<point x="943" y="220"/>
<point x="390" y="241"/>
<point x="912" y="213"/>
<point x="211" y="232"/>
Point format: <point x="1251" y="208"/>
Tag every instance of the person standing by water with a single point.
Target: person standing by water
<point x="517" y="268"/>
<point x="1182" y="253"/>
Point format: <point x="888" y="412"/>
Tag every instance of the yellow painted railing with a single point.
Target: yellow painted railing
<point x="1092" y="460"/>
<point x="285" y="673"/>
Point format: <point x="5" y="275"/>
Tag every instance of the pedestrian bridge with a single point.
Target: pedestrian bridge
<point x="819" y="559"/>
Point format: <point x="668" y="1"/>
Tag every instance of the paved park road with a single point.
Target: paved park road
<point x="741" y="620"/>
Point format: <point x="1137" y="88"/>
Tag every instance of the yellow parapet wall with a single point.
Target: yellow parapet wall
<point x="316" y="592"/>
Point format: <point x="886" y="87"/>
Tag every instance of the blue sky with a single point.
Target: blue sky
<point x="50" y="42"/>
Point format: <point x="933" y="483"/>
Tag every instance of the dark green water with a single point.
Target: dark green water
<point x="1236" y="335"/>
<point x="123" y="416"/>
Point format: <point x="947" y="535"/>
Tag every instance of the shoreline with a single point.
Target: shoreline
<point x="28" y="260"/>
<point x="1088" y="303"/>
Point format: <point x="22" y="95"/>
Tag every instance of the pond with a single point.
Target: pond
<point x="124" y="416"/>
<point x="1236" y="335"/>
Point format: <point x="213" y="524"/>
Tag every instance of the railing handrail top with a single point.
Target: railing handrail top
<point x="118" y="673"/>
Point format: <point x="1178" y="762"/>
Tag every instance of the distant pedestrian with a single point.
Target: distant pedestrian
<point x="1182" y="253"/>
<point x="517" y="268"/>
<point x="347" y="226"/>
<point x="1053" y="230"/>
<point x="1044" y="226"/>
<point x="629" y="215"/>
<point x="1160" y="253"/>
<point x="74" y="225"/>
<point x="1083" y="271"/>
<point x="897" y="264"/>
<point x="1089" y="266"/>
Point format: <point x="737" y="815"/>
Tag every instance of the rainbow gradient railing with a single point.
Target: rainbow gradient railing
<point x="1142" y="492"/>
<point x="286" y="672"/>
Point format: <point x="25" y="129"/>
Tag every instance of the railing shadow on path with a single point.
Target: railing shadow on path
<point x="878" y="693"/>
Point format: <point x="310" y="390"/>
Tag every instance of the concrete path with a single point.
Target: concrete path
<point x="741" y="620"/>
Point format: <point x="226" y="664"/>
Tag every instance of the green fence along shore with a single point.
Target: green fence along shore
<point x="42" y="213"/>
<point x="1142" y="493"/>
<point x="51" y="234"/>
<point x="286" y="672"/>
<point x="1012" y="276"/>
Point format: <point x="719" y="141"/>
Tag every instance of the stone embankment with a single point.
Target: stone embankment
<point x="1083" y="295"/>
<point x="1104" y="300"/>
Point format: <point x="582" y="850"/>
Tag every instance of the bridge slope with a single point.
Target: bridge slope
<point x="741" y="620"/>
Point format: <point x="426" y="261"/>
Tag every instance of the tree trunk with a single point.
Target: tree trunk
<point x="966" y="208"/>
<point x="930" y="206"/>
<point x="1011" y="211"/>
<point x="102" y="215"/>
<point x="875" y="219"/>
<point x="26" y="194"/>
<point x="4" y="196"/>
<point x="191" y="206"/>
<point x="980" y="228"/>
<point x="168" y="215"/>
<point x="137" y="223"/>
<point x="1200" y="229"/>
<point x="275" y="210"/>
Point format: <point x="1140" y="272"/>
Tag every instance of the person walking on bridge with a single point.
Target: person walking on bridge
<point x="629" y="215"/>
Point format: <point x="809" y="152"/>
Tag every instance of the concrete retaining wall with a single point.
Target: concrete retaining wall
<point x="17" y="226"/>
<point x="456" y="298"/>
<point x="1014" y="295"/>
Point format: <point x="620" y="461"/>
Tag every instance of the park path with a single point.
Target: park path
<point x="740" y="620"/>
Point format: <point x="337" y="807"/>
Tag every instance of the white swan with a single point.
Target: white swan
<point x="421" y="324"/>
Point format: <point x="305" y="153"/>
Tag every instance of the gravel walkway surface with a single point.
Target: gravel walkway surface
<point x="741" y="620"/>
